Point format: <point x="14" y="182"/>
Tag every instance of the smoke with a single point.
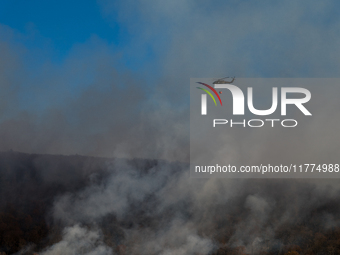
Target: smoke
<point x="78" y="240"/>
<point x="153" y="223"/>
<point x="88" y="104"/>
<point x="162" y="211"/>
<point x="92" y="103"/>
<point x="80" y="204"/>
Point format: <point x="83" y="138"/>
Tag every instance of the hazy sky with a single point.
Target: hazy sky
<point x="111" y="78"/>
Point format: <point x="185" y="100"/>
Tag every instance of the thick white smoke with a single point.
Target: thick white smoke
<point x="79" y="240"/>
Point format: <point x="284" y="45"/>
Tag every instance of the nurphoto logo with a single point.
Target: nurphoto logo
<point x="238" y="99"/>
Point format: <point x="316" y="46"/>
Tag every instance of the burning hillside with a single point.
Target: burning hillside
<point x="86" y="205"/>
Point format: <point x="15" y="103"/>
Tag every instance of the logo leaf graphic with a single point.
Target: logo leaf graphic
<point x="212" y="89"/>
<point x="209" y="94"/>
